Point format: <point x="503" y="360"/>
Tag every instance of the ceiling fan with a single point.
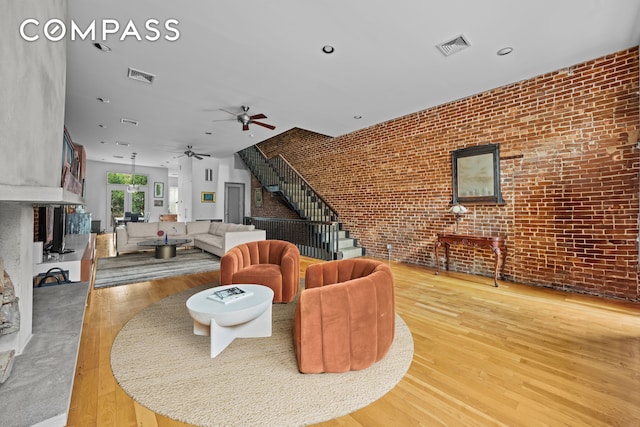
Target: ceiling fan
<point x="246" y="119"/>
<point x="191" y="153"/>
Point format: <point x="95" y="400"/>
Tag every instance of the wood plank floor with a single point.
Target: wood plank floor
<point x="484" y="356"/>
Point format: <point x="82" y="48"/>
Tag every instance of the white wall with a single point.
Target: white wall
<point x="32" y="88"/>
<point x="96" y="189"/>
<point x="192" y="183"/>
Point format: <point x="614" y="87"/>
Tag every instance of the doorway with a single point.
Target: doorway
<point x="120" y="201"/>
<point x="233" y="203"/>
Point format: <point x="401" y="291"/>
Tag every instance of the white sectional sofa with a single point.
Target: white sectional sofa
<point x="214" y="237"/>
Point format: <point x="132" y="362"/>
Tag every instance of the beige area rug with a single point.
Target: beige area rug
<point x="158" y="361"/>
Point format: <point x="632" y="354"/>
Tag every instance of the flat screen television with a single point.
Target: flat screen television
<point x="45" y="226"/>
<point x="59" y="229"/>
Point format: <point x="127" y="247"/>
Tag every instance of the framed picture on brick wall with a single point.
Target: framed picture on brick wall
<point x="476" y="174"/>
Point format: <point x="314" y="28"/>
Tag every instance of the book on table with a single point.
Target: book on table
<point x="229" y="295"/>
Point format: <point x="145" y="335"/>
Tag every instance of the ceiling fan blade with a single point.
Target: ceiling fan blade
<point x="245" y="127"/>
<point x="258" y="116"/>
<point x="264" y="125"/>
<point x="229" y="112"/>
<point x="197" y="156"/>
<point x="204" y="155"/>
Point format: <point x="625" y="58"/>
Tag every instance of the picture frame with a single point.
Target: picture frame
<point x="257" y="197"/>
<point x="158" y="190"/>
<point x="158" y="203"/>
<point x="208" y="197"/>
<point x="476" y="175"/>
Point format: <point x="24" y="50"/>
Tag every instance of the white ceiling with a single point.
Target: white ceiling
<point x="268" y="55"/>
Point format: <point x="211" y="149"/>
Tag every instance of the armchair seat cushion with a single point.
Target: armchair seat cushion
<point x="264" y="274"/>
<point x="273" y="263"/>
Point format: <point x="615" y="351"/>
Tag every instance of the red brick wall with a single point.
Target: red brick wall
<point x="272" y="207"/>
<point x="569" y="176"/>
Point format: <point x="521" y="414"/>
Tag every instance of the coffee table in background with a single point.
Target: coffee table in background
<point x="248" y="317"/>
<point x="165" y="248"/>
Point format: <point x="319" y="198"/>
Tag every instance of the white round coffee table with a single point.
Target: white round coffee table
<point x="248" y="317"/>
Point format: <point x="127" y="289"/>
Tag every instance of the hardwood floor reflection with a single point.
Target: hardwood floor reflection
<point x="484" y="356"/>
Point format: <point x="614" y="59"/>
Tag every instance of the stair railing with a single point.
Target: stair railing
<point x="277" y="174"/>
<point x="315" y="239"/>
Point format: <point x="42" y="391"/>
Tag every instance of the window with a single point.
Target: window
<point x="125" y="178"/>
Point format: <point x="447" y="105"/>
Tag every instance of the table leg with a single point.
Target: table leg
<point x="435" y="251"/>
<point x="446" y="255"/>
<point x="165" y="251"/>
<point x="497" y="254"/>
<point x="222" y="336"/>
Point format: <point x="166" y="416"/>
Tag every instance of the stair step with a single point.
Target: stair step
<point x="304" y="201"/>
<point x="352" y="252"/>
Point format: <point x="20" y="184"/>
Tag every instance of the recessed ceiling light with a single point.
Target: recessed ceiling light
<point x="118" y="157"/>
<point x="123" y="144"/>
<point x="103" y="100"/>
<point x="505" y="51"/>
<point x="103" y="47"/>
<point x="103" y="126"/>
<point x="208" y="133"/>
<point x="357" y="117"/>
<point x="328" y="49"/>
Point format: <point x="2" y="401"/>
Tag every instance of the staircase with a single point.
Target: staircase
<point x="322" y="230"/>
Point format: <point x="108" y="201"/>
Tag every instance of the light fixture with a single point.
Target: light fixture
<point x="505" y="51"/>
<point x="357" y="117"/>
<point x="103" y="100"/>
<point x="133" y="187"/>
<point x="458" y="210"/>
<point x="328" y="49"/>
<point x="103" y="47"/>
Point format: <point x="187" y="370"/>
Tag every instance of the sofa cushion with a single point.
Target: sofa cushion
<point x="219" y="228"/>
<point x="240" y="227"/>
<point x="173" y="228"/>
<point x="213" y="228"/>
<point x="197" y="227"/>
<point x="211" y="239"/>
<point x="142" y="229"/>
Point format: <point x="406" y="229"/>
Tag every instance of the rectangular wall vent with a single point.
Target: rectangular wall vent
<point x="453" y="46"/>
<point x="141" y="76"/>
<point x="129" y="122"/>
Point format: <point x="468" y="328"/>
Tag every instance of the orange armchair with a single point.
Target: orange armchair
<point x="272" y="263"/>
<point x="345" y="318"/>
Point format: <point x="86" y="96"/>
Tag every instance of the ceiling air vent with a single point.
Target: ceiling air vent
<point x="141" y="76"/>
<point x="129" y="122"/>
<point x="453" y="46"/>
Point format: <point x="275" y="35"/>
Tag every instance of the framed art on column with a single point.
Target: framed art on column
<point x="158" y="190"/>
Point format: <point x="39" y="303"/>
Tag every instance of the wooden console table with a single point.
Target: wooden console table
<point x="496" y="244"/>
